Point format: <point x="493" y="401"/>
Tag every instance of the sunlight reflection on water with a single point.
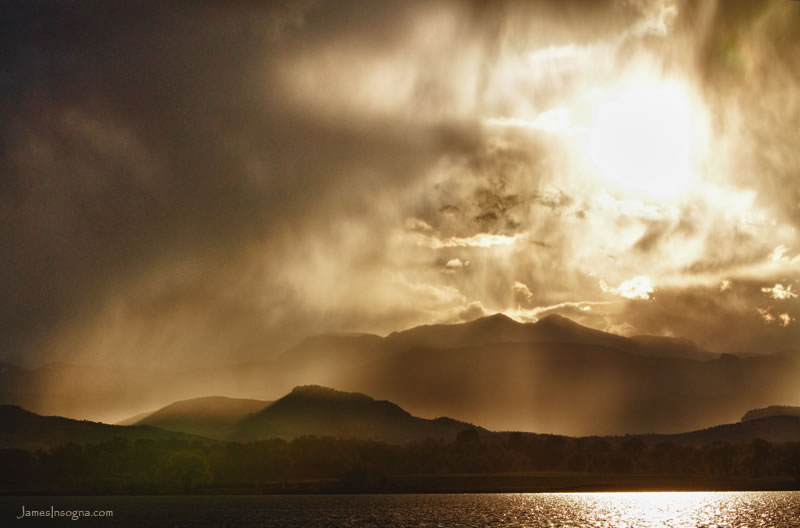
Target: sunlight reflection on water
<point x="664" y="509"/>
<point x="551" y="510"/>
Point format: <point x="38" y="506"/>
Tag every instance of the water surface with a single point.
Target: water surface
<point x="596" y="510"/>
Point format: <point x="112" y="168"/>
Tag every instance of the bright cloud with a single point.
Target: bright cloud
<point x="455" y="264"/>
<point x="480" y="240"/>
<point x="522" y="293"/>
<point x="779" y="291"/>
<point x="765" y="315"/>
<point x="635" y="288"/>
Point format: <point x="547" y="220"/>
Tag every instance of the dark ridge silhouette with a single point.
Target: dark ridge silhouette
<point x="500" y="328"/>
<point x="554" y="376"/>
<point x="7" y="369"/>
<point x="21" y="429"/>
<point x="777" y="429"/>
<point x="671" y="347"/>
<point x="210" y="416"/>
<point x="321" y="411"/>
<point x="574" y="388"/>
<point x="12" y="378"/>
<point x="325" y="412"/>
<point x="772" y="410"/>
<point x="134" y="419"/>
<point x="330" y="350"/>
<point x="552" y="328"/>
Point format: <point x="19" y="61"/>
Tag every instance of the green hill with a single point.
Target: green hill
<point x="20" y="429"/>
<point x="320" y="411"/>
<point x="211" y="416"/>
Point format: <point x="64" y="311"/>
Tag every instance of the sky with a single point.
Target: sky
<point x="213" y="181"/>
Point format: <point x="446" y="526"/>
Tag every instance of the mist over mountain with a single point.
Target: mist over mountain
<point x="558" y="376"/>
<point x="21" y="429"/>
<point x="258" y="232"/>
<point x="575" y="388"/>
<point x="498" y="329"/>
<point x="318" y="439"/>
<point x="305" y="411"/>
<point x="320" y="411"/>
<point x="776" y="429"/>
<point x="552" y="376"/>
<point x="210" y="416"/>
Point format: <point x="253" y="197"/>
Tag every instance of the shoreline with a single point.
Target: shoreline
<point x="549" y="482"/>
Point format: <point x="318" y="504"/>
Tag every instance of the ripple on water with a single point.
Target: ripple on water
<point x="562" y="510"/>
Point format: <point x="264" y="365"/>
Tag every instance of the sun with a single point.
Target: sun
<point x="643" y="138"/>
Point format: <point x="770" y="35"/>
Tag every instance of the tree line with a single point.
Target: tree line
<point x="154" y="466"/>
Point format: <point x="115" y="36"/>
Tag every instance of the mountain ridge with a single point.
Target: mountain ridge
<point x="553" y="375"/>
<point x="770" y="411"/>
<point x="209" y="416"/>
<point x="322" y="411"/>
<point x="20" y="428"/>
<point x="325" y="412"/>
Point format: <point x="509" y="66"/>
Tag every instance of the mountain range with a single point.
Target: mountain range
<point x="551" y="376"/>
<point x="306" y="410"/>
<point x="210" y="416"/>
<point x="772" y="410"/>
<point x="327" y="412"/>
<point x="21" y="429"/>
<point x="321" y="412"/>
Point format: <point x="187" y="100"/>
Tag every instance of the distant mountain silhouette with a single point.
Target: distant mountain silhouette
<point x="321" y="411"/>
<point x="23" y="429"/>
<point x="210" y="416"/>
<point x="552" y="328"/>
<point x="500" y="328"/>
<point x="131" y="420"/>
<point x="772" y="410"/>
<point x="553" y="376"/>
<point x="557" y="376"/>
<point x="774" y="429"/>
<point x="670" y="347"/>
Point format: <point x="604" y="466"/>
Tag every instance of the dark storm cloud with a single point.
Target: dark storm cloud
<point x="137" y="137"/>
<point x="110" y="114"/>
<point x="748" y="55"/>
<point x="215" y="179"/>
<point x="732" y="320"/>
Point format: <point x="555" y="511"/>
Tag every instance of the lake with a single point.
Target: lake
<point x="596" y="510"/>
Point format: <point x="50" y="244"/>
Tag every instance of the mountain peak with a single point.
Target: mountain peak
<point x="10" y="410"/>
<point x="322" y="411"/>
<point x="499" y="316"/>
<point x="553" y="319"/>
<point x="496" y="320"/>
<point x="326" y="393"/>
<point x="208" y="416"/>
<point x="771" y="412"/>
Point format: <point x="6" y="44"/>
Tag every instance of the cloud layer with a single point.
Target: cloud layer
<point x="212" y="183"/>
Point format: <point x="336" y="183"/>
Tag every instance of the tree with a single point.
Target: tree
<point x="793" y="461"/>
<point x="468" y="436"/>
<point x="188" y="469"/>
<point x="760" y="456"/>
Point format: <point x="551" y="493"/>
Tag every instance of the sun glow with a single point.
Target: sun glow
<point x="643" y="136"/>
<point x="635" y="288"/>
